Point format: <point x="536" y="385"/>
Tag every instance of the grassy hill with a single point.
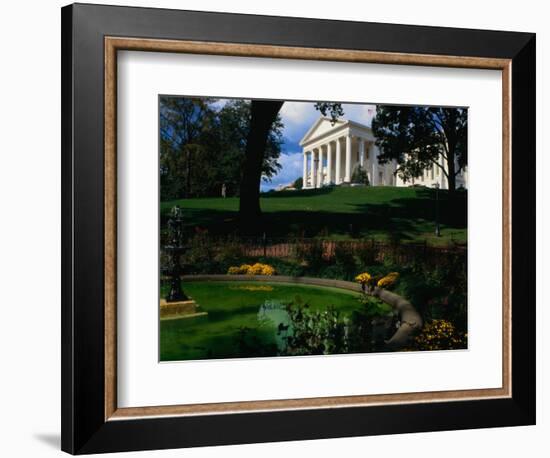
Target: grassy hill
<point x="382" y="213"/>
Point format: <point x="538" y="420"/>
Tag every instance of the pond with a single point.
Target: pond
<point x="235" y="308"/>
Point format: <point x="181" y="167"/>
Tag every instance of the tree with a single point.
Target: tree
<point x="417" y="137"/>
<point x="262" y="116"/>
<point x="298" y="183"/>
<point x="202" y="146"/>
<point x="360" y="175"/>
<point x="184" y="127"/>
<point x="234" y="128"/>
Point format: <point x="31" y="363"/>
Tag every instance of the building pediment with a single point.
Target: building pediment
<point x="320" y="128"/>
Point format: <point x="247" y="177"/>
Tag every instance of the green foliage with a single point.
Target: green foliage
<point x="344" y="258"/>
<point x="374" y="307"/>
<point x="366" y="254"/>
<point x="417" y="136"/>
<point x="199" y="256"/>
<point x="360" y="176"/>
<point x="202" y="147"/>
<point x="310" y="252"/>
<point x="315" y="332"/>
<point x="298" y="183"/>
<point x="185" y="124"/>
<point x="437" y="292"/>
<point x="229" y="254"/>
<point x="325" y="332"/>
<point x="331" y="109"/>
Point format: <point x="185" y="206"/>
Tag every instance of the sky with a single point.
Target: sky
<point x="297" y="118"/>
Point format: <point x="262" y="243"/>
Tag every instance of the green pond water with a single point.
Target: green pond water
<point x="234" y="305"/>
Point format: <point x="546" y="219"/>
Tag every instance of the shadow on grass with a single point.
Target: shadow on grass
<point x="406" y="218"/>
<point x="298" y="193"/>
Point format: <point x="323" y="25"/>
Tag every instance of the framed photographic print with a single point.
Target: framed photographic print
<point x="284" y="228"/>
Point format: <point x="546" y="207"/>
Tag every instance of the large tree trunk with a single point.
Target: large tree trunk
<point x="263" y="114"/>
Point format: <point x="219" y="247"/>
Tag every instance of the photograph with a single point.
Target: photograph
<point x="300" y="228"/>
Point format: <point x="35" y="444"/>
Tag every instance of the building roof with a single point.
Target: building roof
<point x="324" y="125"/>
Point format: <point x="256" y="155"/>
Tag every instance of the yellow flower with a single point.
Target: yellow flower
<point x="363" y="278"/>
<point x="256" y="269"/>
<point x="388" y="281"/>
<point x="268" y="270"/>
<point x="440" y="335"/>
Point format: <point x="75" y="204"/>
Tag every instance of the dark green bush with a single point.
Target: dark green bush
<point x="310" y="251"/>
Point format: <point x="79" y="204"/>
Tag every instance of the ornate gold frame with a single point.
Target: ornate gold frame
<point x="114" y="44"/>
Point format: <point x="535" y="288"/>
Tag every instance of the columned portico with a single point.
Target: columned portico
<point x="347" y="176"/>
<point x="338" y="178"/>
<point x="313" y="172"/>
<point x="333" y="150"/>
<point x="361" y="152"/>
<point x="374" y="165"/>
<point x="329" y="179"/>
<point x="304" y="171"/>
<point x="319" y="167"/>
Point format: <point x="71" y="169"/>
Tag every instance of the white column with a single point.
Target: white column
<point x="362" y="153"/>
<point x="320" y="167"/>
<point x="347" y="177"/>
<point x="313" y="168"/>
<point x="329" y="163"/>
<point x="304" y="171"/>
<point x="338" y="178"/>
<point x="374" y="160"/>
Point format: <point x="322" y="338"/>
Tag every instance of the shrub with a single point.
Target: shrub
<point x="315" y="332"/>
<point x="440" y="335"/>
<point x="229" y="252"/>
<point x="343" y="256"/>
<point x="199" y="255"/>
<point x="359" y="175"/>
<point x="311" y="251"/>
<point x="255" y="269"/>
<point x="366" y="253"/>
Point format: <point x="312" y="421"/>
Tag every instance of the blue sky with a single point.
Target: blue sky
<point x="297" y="118"/>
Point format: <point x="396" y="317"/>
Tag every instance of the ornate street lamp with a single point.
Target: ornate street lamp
<point x="175" y="249"/>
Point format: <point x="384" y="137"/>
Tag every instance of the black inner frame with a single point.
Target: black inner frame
<point x="84" y="429"/>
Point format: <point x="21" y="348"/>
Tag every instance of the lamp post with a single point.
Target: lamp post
<point x="437" y="229"/>
<point x="175" y="249"/>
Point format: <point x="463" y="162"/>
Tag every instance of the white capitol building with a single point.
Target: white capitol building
<point x="332" y="151"/>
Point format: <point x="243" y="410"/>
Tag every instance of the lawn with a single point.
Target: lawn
<point x="381" y="213"/>
<point x="234" y="305"/>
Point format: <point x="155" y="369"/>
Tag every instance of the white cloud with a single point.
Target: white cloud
<point x="360" y="113"/>
<point x="291" y="168"/>
<point x="297" y="118"/>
